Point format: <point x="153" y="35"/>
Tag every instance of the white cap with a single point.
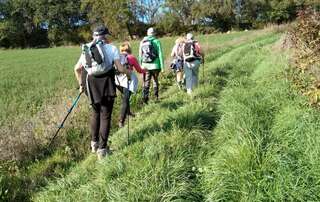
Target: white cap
<point x="150" y="31"/>
<point x="189" y="36"/>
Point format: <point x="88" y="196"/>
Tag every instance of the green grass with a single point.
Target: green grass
<point x="266" y="143"/>
<point x="168" y="146"/>
<point x="37" y="110"/>
<point x="244" y="135"/>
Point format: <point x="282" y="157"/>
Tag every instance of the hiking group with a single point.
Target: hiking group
<point x="102" y="68"/>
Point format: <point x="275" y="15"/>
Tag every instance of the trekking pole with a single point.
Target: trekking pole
<point x="203" y="70"/>
<point x="144" y="85"/>
<point x="128" y="114"/>
<point x="65" y="118"/>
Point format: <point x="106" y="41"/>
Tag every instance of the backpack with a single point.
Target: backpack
<point x="96" y="62"/>
<point x="179" y="51"/>
<point x="148" y="51"/>
<point x="122" y="80"/>
<point x="189" y="51"/>
<point x="124" y="60"/>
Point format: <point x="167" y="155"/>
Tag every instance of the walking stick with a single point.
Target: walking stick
<point x="128" y="114"/>
<point x="203" y="70"/>
<point x="144" y="86"/>
<point x="65" y="118"/>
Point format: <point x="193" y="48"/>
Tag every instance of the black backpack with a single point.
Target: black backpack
<point x="148" y="51"/>
<point x="189" y="51"/>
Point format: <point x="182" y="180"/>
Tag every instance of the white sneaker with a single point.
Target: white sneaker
<point x="101" y="153"/>
<point x="189" y="91"/>
<point x="94" y="146"/>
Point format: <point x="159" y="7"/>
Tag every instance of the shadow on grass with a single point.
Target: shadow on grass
<point x="47" y="164"/>
<point x="204" y="118"/>
<point x="171" y="105"/>
<point x="185" y="121"/>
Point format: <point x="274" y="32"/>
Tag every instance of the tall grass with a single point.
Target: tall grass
<point x="25" y="129"/>
<point x="168" y="145"/>
<point x="266" y="143"/>
<point x="38" y="85"/>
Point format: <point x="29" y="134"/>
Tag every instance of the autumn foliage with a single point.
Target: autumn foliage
<point x="305" y="39"/>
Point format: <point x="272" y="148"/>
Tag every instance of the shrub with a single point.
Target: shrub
<point x="305" y="39"/>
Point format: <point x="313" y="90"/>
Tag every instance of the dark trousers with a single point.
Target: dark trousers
<point x="101" y="121"/>
<point x="146" y="83"/>
<point x="125" y="106"/>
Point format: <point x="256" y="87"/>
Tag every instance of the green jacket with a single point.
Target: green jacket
<point x="158" y="63"/>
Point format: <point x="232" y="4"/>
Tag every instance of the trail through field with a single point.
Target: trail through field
<point x="168" y="146"/>
<point x="245" y="134"/>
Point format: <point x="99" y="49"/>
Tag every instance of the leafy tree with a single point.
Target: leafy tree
<point x="115" y="14"/>
<point x="148" y="10"/>
<point x="183" y="10"/>
<point x="219" y="14"/>
<point x="17" y="24"/>
<point x="28" y="23"/>
<point x="282" y="11"/>
<point x="60" y="18"/>
<point x="169" y="22"/>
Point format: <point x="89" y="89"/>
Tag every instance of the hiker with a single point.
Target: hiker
<point x="99" y="59"/>
<point x="151" y="59"/>
<point x="192" y="56"/>
<point x="177" y="63"/>
<point x="129" y="62"/>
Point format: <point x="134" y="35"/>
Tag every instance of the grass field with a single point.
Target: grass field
<point x="38" y="86"/>
<point x="244" y="135"/>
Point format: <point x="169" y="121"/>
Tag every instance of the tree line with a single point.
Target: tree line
<point x="43" y="23"/>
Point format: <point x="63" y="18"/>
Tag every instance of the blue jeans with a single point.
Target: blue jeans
<point x="191" y="70"/>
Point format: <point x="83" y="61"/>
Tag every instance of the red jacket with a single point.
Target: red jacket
<point x="133" y="63"/>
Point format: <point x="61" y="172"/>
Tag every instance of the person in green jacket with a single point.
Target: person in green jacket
<point x="151" y="59"/>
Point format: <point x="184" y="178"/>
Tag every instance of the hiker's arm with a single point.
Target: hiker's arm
<point x="198" y="49"/>
<point x="134" y="62"/>
<point x="122" y="69"/>
<point x="173" y="52"/>
<point x="78" y="71"/>
<point x="160" y="56"/>
<point x="140" y="54"/>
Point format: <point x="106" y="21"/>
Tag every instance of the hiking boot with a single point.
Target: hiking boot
<point x="101" y="153"/>
<point x="145" y="101"/>
<point x="157" y="99"/>
<point x="94" y="146"/>
<point x="180" y="85"/>
<point x="121" y="124"/>
<point x="131" y="114"/>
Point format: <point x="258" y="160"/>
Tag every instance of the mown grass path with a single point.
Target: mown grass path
<point x="170" y="146"/>
<point x="20" y="179"/>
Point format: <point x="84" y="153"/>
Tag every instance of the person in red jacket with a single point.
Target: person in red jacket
<point x="127" y="87"/>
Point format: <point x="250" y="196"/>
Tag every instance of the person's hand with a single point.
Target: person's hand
<point x="129" y="75"/>
<point x="81" y="88"/>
